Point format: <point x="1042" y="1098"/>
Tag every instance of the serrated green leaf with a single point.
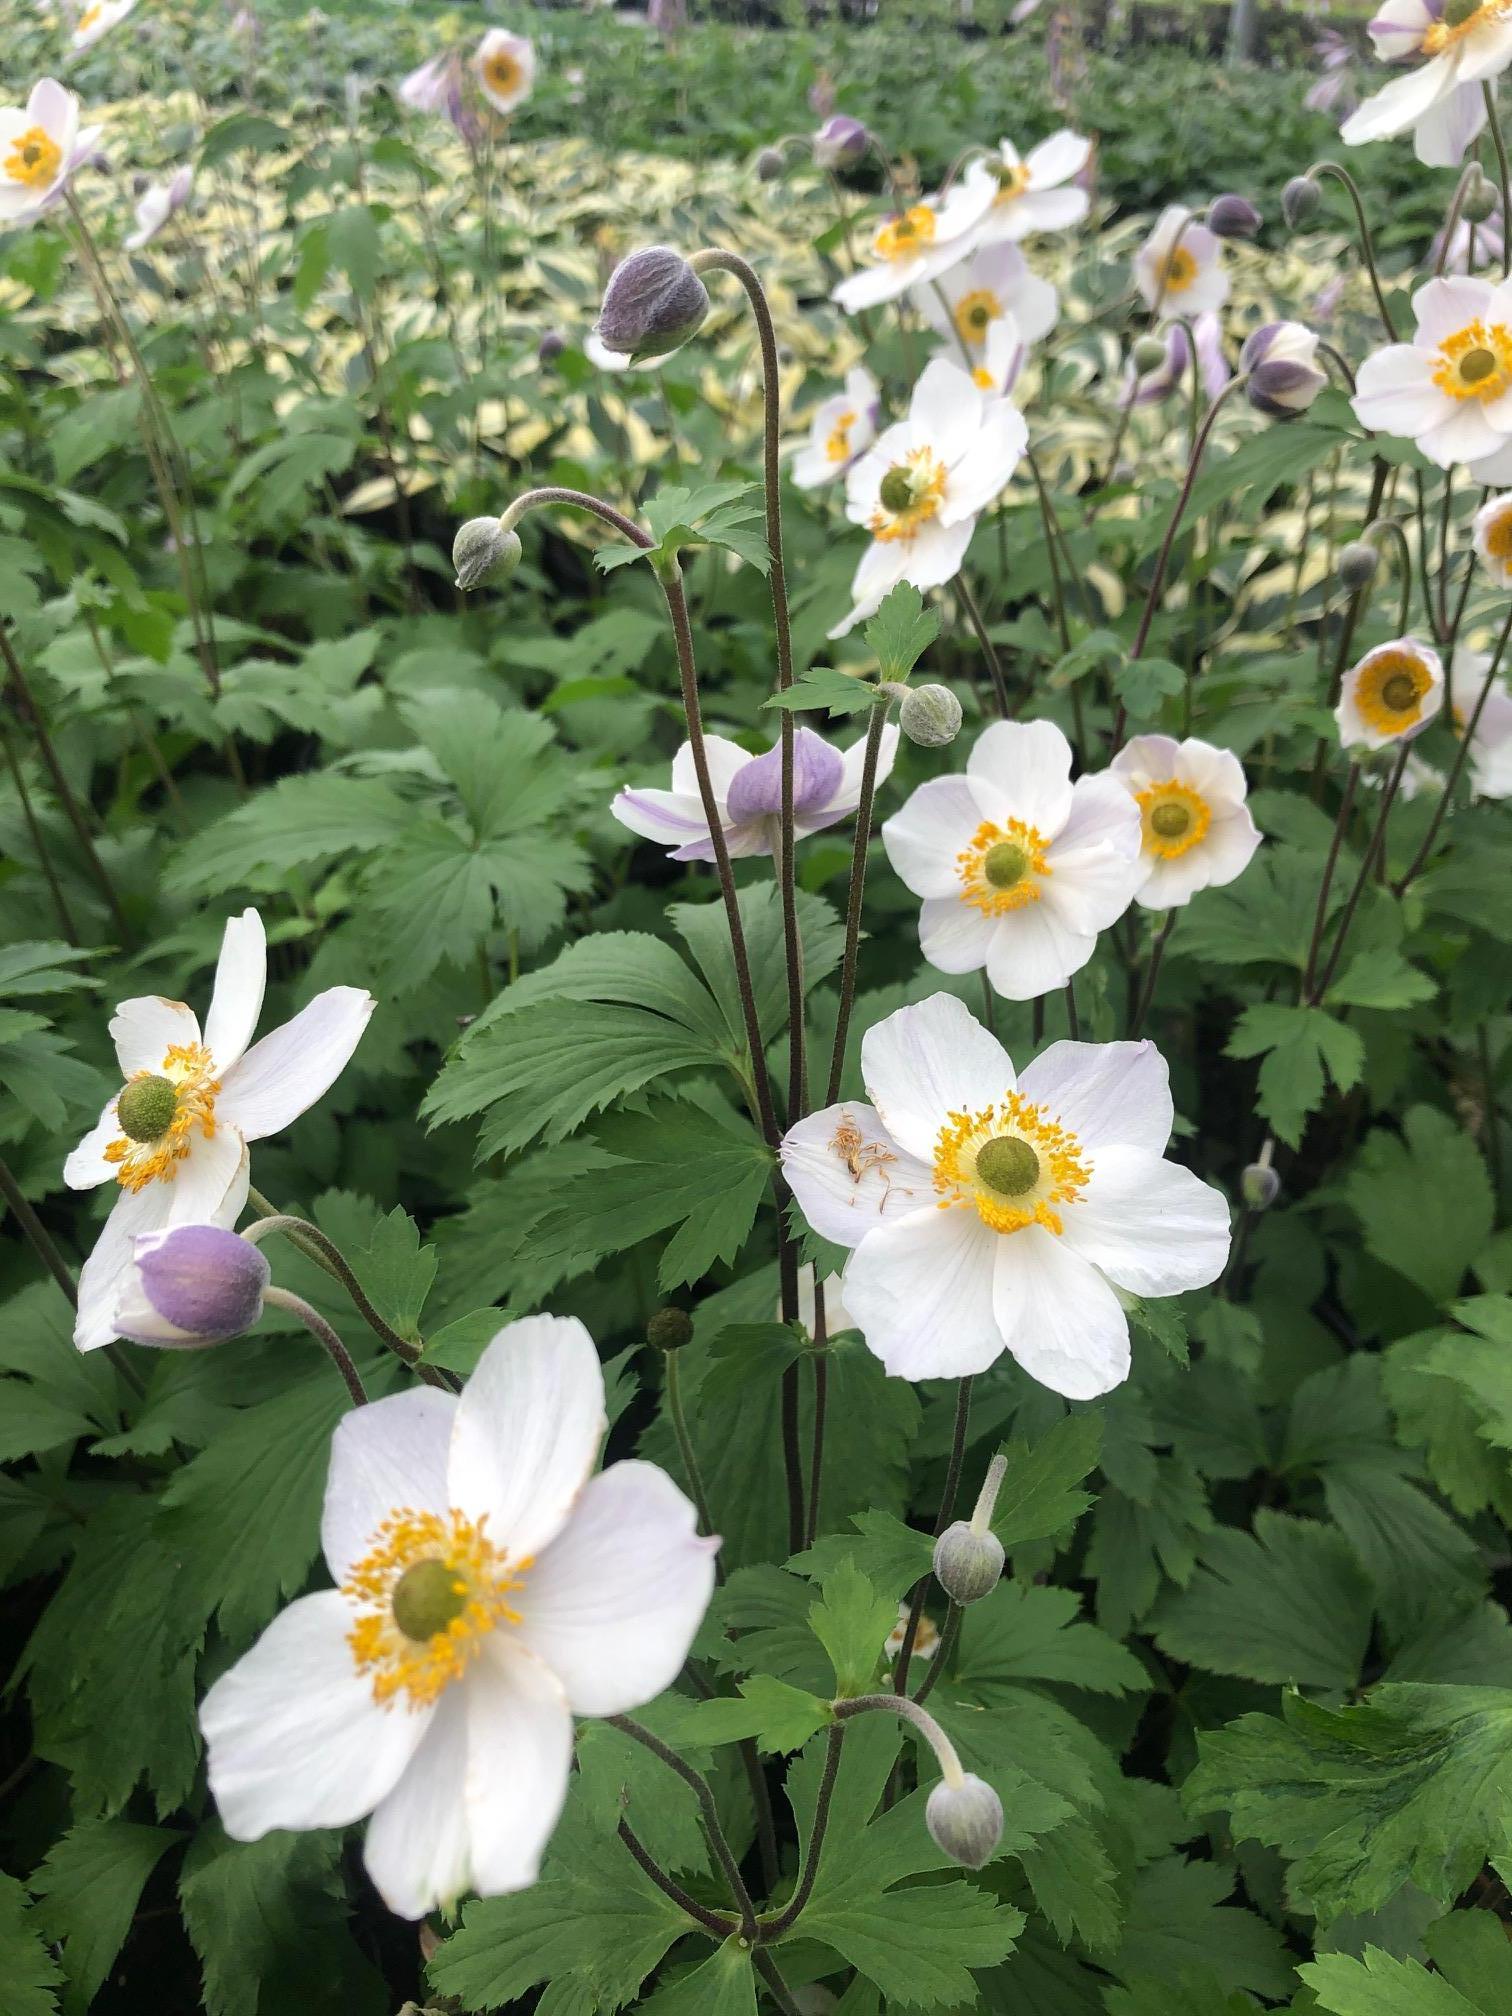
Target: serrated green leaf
<point x="1296" y="1044"/>
<point x="1423" y="1200"/>
<point x="89" y="1888"/>
<point x="901" y="631"/>
<point x="27" y="1968"/>
<point x="1379" y="1985"/>
<point x="851" y="1621"/>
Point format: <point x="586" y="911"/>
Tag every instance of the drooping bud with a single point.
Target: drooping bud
<point x="967" y="1564"/>
<point x="840" y="141"/>
<point x="484" y="551"/>
<point x="1233" y="217"/>
<point x="1300" y="201"/>
<point x="1480" y="202"/>
<point x="654" y="302"/>
<point x="1284" y="377"/>
<point x="770" y="164"/>
<point x="930" y="716"/>
<point x="1148" y="354"/>
<point x="1259" y="1186"/>
<point x="1359" y="563"/>
<point x="146" y="1107"/>
<point x="814" y="2000"/>
<point x="190" y="1286"/>
<point x="669" y="1329"/>
<point x="965" y="1819"/>
<point x="551" y="346"/>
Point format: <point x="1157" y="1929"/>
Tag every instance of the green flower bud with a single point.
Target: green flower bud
<point x="965" y="1820"/>
<point x="1480" y="201"/>
<point x="484" y="551"/>
<point x="1259" y="1186"/>
<point x="1301" y="200"/>
<point x="1358" y="564"/>
<point x="654" y="302"/>
<point x="930" y="716"/>
<point x="146" y="1108"/>
<point x="1148" y="354"/>
<point x="669" y="1329"/>
<point x="770" y="165"/>
<point x="967" y="1564"/>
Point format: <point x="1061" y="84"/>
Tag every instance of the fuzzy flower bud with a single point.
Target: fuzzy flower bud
<point x="190" y="1286"/>
<point x="967" y="1564"/>
<point x="965" y="1819"/>
<point x="1233" y="217"/>
<point x="1300" y="201"/>
<point x="484" y="551"/>
<point x="1480" y="201"/>
<point x="1148" y="354"/>
<point x="770" y="164"/>
<point x="930" y="716"/>
<point x="654" y="302"/>
<point x="1284" y="377"/>
<point x="669" y="1329"/>
<point x="551" y="346"/>
<point x="840" y="141"/>
<point x="1359" y="563"/>
<point x="1259" y="1186"/>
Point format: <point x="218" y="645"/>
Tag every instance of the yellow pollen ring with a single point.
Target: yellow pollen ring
<point x="502" y="73"/>
<point x="1389" y="689"/>
<point x="1011" y="182"/>
<point x="905" y="236"/>
<point x="190" y="1069"/>
<point x="984" y="863"/>
<point x="34" y="159"/>
<point x="974" y="1150"/>
<point x="1498" y="535"/>
<point x="1179" y="271"/>
<point x="1443" y="34"/>
<point x="1174" y="818"/>
<point x="974" y="313"/>
<point x="1475" y="362"/>
<point x="837" y="442"/>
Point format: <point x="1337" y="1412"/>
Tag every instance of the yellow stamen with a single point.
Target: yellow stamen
<point x="1011" y="182"/>
<point x="1475" y="362"/>
<point x="1001" y="867"/>
<point x="34" y="159"/>
<point x="89" y="17"/>
<point x="973" y="313"/>
<point x="190" y="1068"/>
<point x="1498" y="535"/>
<point x="910" y="495"/>
<point x="483" y="1578"/>
<point x="1043" y="1158"/>
<point x="837" y="443"/>
<point x="1389" y="690"/>
<point x="1179" y="271"/>
<point x="1175" y="817"/>
<point x="502" y="72"/>
<point x="905" y="236"/>
<point x="981" y="377"/>
<point x="1444" y="33"/>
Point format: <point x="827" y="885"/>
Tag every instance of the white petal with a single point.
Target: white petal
<point x="147" y="1027"/>
<point x="1448" y="128"/>
<point x="955" y="937"/>
<point x="283" y="1075"/>
<point x="519" y="1755"/>
<point x="934" y="555"/>
<point x="1399" y="104"/>
<point x="1151" y="1226"/>
<point x="1029" y="764"/>
<point x="926" y="834"/>
<point x="1445" y="305"/>
<point x="671" y="817"/>
<point x="1485" y="53"/>
<point x="417" y="1849"/>
<point x="241" y="974"/>
<point x="294" y="1735"/>
<point x="86" y="1166"/>
<point x="726" y="759"/>
<point x="1108" y="1094"/>
<point x="211" y="1185"/>
<point x="990" y="459"/>
<point x="928" y="1061"/>
<point x="528" y="1430"/>
<point x="387" y="1456"/>
<point x="1397" y="394"/>
<point x="104" y="1272"/>
<point x="1047" y="210"/>
<point x="847" y="1172"/>
<point x="1467" y="435"/>
<point x="848" y="795"/>
<point x="945" y="410"/>
<point x="1058" y="159"/>
<point x="1036" y="950"/>
<point x="1061" y="1320"/>
<point x="921" y="1292"/>
<point x="612" y="1605"/>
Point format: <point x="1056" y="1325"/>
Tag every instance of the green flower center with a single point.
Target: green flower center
<point x="1170" y="821"/>
<point x="897" y="491"/>
<point x="1477" y="364"/>
<point x="146" y="1108"/>
<point x="1005" y="864"/>
<point x="1456" y="12"/>
<point x="1008" y="1165"/>
<point x="428" y="1598"/>
<point x="1399" y="692"/>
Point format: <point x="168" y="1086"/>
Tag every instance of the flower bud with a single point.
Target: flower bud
<point x="1233" y="217"/>
<point x="965" y="1820"/>
<point x="967" y="1564"/>
<point x="190" y="1286"/>
<point x="1259" y="1186"/>
<point x="840" y="141"/>
<point x="551" y="346"/>
<point x="1300" y="201"/>
<point x="654" y="302"/>
<point x="484" y="551"/>
<point x="1284" y="378"/>
<point x="1148" y="354"/>
<point x="669" y="1329"/>
<point x="1480" y="202"/>
<point x="814" y="2000"/>
<point x="930" y="716"/>
<point x="1358" y="565"/>
<point x="770" y="164"/>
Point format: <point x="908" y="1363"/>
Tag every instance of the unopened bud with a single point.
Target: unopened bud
<point x="1233" y="217"/>
<point x="669" y="1329"/>
<point x="1280" y="361"/>
<point x="484" y="551"/>
<point x="551" y="346"/>
<point x="814" y="2000"/>
<point x="1148" y="354"/>
<point x="192" y="1285"/>
<point x="1300" y="201"/>
<point x="1480" y="202"/>
<point x="1259" y="1186"/>
<point x="654" y="302"/>
<point x="770" y="165"/>
<point x="840" y="140"/>
<point x="965" y="1820"/>
<point x="930" y="716"/>
<point x="967" y="1564"/>
<point x="1359" y="563"/>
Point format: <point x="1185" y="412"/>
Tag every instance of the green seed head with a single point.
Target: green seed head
<point x="897" y="491"/>
<point x="669" y="1329"/>
<point x="1457" y="12"/>
<point x="428" y="1598"/>
<point x="1399" y="692"/>
<point x="1170" y="821"/>
<point x="1005" y="865"/>
<point x="146" y="1108"/>
<point x="1477" y="364"/>
<point x="1008" y="1165"/>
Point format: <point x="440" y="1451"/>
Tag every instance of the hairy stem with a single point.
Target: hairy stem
<point x="324" y="1335"/>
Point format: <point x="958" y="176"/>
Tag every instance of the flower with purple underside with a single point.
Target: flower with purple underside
<point x="1149" y="387"/>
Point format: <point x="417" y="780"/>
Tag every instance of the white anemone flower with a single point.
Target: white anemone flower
<point x="1450" y="388"/>
<point x="1018" y="868"/>
<point x="748" y="794"/>
<point x="923" y="483"/>
<point x="991" y="1213"/>
<point x="1465" y="44"/>
<point x="1003" y="357"/>
<point x="157" y="204"/>
<point x="1390" y="695"/>
<point x="1490" y="752"/>
<point x="993" y="284"/>
<point x="843" y="428"/>
<point x="98" y="19"/>
<point x="1196" y="831"/>
<point x="1179" y="269"/>
<point x="174" y="1138"/>
<point x="489" y="1588"/>
<point x="505" y="67"/>
<point x="1492" y="533"/>
<point x="1031" y="192"/>
<point x="41" y="144"/>
<point x="911" y="248"/>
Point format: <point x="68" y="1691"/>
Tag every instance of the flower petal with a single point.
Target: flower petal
<point x="847" y="1172"/>
<point x="527" y="1431"/>
<point x="1029" y="764"/>
<point x="928" y="831"/>
<point x="147" y="1027"/>
<point x="386" y="1456"/>
<point x="104" y="1272"/>
<point x="946" y="410"/>
<point x="1036" y="950"/>
<point x="1061" y="1320"/>
<point x="1111" y="1095"/>
<point x="928" y="1061"/>
<point x="955" y="937"/>
<point x="1151" y="1226"/>
<point x="211" y="1185"/>
<point x="921" y="1293"/>
<point x="417" y="1849"/>
<point x="86" y="1166"/>
<point x="241" y="975"/>
<point x="1057" y="159"/>
<point x="519" y="1756"/>
<point x="283" y="1075"/>
<point x="1399" y="104"/>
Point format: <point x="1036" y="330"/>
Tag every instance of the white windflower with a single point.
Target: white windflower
<point x="1001" y="361"/>
<point x="1465" y="44"/>
<point x="992" y="1213"/>
<point x="98" y="19"/>
<point x="1450" y="388"/>
<point x="1032" y="192"/>
<point x="157" y="203"/>
<point x="1492" y="533"/>
<point x="1018" y="868"/>
<point x="174" y="1138"/>
<point x="1179" y="269"/>
<point x="923" y="483"/>
<point x="748" y="794"/>
<point x="993" y="284"/>
<point x="489" y="1588"/>
<point x="926" y="1637"/>
<point x="843" y="428"/>
<point x="1391" y="694"/>
<point x="1196" y="831"/>
<point x="41" y="144"/>
<point x="911" y="248"/>
<point x="1490" y="754"/>
<point x="505" y="67"/>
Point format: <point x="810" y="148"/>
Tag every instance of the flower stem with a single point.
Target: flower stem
<point x="704" y="1793"/>
<point x="787" y="1917"/>
<point x="686" y="1451"/>
<point x="1425" y="845"/>
<point x="324" y="1335"/>
<point x="719" y="1928"/>
<point x="974" y="617"/>
<point x="1147" y="994"/>
<point x="1367" y="243"/>
<point x="1373" y="847"/>
<point x="905" y="1706"/>
<point x="771" y="1973"/>
<point x="1325" y="887"/>
<point x="942" y="1520"/>
<point x="860" y="845"/>
<point x="1503" y="172"/>
<point x="948" y="1636"/>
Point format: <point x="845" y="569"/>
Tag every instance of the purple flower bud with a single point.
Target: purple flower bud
<point x="1300" y="200"/>
<point x="840" y="141"/>
<point x="769" y="165"/>
<point x="756" y="792"/>
<point x="191" y="1286"/>
<point x="654" y="302"/>
<point x="1284" y="379"/>
<point x="1233" y="217"/>
<point x="551" y="346"/>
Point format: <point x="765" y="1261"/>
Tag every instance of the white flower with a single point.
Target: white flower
<point x="1491" y="745"/>
<point x="1179" y="268"/>
<point x="843" y="428"/>
<point x="1030" y="192"/>
<point x="1392" y="693"/>
<point x="1002" y="360"/>
<point x="1492" y="533"/>
<point x="1450" y="388"/>
<point x="991" y="1214"/>
<point x="922" y="484"/>
<point x="598" y="352"/>
<point x="1196" y="830"/>
<point x="157" y="203"/>
<point x="489" y="1588"/>
<point x="996" y="282"/>
<point x="748" y="794"/>
<point x="926" y="1637"/>
<point x="41" y="144"/>
<point x="174" y="1138"/>
<point x="98" y="19"/>
<point x="912" y="248"/>
<point x="505" y="65"/>
<point x="1018" y="868"/>
<point x="1441" y="99"/>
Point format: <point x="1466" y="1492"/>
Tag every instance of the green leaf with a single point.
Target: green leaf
<point x="248" y="130"/>
<point x="724" y="1985"/>
<point x="1470" y="1950"/>
<point x="1039" y="1498"/>
<point x="716" y="514"/>
<point x="851" y="1622"/>
<point x="619" y="1778"/>
<point x="826" y="687"/>
<point x="89" y="1888"/>
<point x="1423" y="1200"/>
<point x="1025" y="1632"/>
<point x="1296" y="1043"/>
<point x="1142" y="683"/>
<point x="1380" y="978"/>
<point x="901" y="631"/>
<point x="352" y="236"/>
<point x="1260" y="465"/>
<point x="27" y="1968"/>
<point x="779" y="1717"/>
<point x="292" y="824"/>
<point x="397" y="1272"/>
<point x="1179" y="1921"/>
<point x="620" y="966"/>
<point x="706" y="930"/>
<point x="1378" y="1985"/>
